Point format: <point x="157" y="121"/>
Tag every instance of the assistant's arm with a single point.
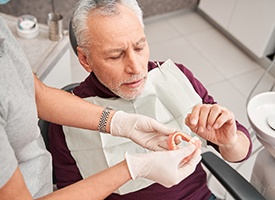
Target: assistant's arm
<point x="61" y="107"/>
<point x="100" y="185"/>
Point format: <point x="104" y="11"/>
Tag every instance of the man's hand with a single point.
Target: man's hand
<point x="167" y="168"/>
<point x="217" y="124"/>
<point x="143" y="130"/>
<point x="213" y="123"/>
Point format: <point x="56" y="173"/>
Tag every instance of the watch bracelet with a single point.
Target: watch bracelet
<point x="103" y="120"/>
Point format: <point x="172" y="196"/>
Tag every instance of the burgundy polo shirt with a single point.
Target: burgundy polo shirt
<point x="193" y="187"/>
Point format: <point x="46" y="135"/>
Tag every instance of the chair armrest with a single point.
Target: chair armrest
<point x="231" y="180"/>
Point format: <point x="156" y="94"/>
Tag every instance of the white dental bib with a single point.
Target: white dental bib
<point x="168" y="97"/>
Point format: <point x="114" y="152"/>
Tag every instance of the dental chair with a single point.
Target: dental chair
<point x="44" y="126"/>
<point x="235" y="184"/>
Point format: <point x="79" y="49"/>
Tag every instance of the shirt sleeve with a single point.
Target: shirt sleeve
<point x="208" y="99"/>
<point x="8" y="161"/>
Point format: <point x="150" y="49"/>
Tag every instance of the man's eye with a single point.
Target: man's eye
<point x="139" y="49"/>
<point x="115" y="57"/>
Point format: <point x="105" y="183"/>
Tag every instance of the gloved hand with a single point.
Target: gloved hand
<point x="143" y="130"/>
<point x="164" y="167"/>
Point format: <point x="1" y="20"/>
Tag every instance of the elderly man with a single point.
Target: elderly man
<point x="112" y="46"/>
<point x="25" y="164"/>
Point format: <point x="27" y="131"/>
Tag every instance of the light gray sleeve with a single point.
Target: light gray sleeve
<point x="8" y="162"/>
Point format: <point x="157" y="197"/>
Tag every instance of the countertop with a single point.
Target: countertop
<point x="41" y="52"/>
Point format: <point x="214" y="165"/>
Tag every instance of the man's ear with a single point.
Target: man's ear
<point x="83" y="59"/>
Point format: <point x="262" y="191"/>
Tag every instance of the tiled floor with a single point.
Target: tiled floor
<point x="227" y="72"/>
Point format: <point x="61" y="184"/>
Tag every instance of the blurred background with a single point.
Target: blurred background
<point x="41" y="8"/>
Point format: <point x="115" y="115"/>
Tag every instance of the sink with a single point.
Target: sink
<point x="261" y="116"/>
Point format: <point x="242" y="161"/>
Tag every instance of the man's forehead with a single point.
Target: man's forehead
<point x="121" y="47"/>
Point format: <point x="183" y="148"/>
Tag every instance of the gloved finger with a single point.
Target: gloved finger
<point x="189" y="167"/>
<point x="184" y="151"/>
<point x="185" y="170"/>
<point x="196" y="141"/>
<point x="189" y="149"/>
<point x="187" y="157"/>
<point x="158" y="147"/>
<point x="162" y="145"/>
<point x="157" y="143"/>
<point x="195" y="158"/>
<point x="161" y="128"/>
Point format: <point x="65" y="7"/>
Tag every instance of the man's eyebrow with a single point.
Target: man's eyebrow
<point x="142" y="40"/>
<point x="110" y="51"/>
<point x="119" y="50"/>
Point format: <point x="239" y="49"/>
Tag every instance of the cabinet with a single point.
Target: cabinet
<point x="250" y="22"/>
<point x="49" y="60"/>
<point x="60" y="74"/>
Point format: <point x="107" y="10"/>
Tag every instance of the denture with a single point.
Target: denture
<point x="175" y="138"/>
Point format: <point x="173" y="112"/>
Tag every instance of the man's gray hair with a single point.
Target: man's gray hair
<point x="105" y="7"/>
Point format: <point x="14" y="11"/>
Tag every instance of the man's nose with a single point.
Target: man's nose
<point x="133" y="66"/>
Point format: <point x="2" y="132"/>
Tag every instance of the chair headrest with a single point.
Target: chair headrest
<point x="72" y="37"/>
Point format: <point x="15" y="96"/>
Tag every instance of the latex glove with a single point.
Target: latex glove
<point x="164" y="167"/>
<point x="143" y="130"/>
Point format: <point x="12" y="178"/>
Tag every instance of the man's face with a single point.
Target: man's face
<point x="119" y="52"/>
